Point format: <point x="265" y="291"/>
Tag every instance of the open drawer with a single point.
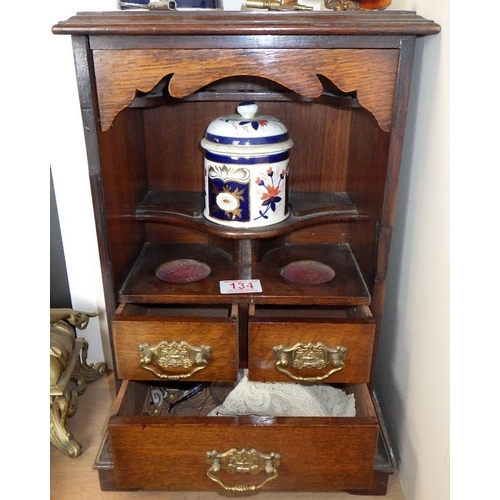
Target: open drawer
<point x="241" y="454"/>
<point x="176" y="342"/>
<point x="331" y="344"/>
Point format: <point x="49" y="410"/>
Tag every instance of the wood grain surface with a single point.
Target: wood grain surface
<point x="149" y="85"/>
<point x="372" y="73"/>
<point x="264" y="334"/>
<point x="77" y="479"/>
<point x="217" y="333"/>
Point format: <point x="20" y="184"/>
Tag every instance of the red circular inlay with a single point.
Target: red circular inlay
<point x="307" y="272"/>
<point x="182" y="271"/>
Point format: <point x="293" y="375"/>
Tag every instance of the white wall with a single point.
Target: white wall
<point x="413" y="375"/>
<point x="413" y="379"/>
<point x="40" y="126"/>
<point x="68" y="162"/>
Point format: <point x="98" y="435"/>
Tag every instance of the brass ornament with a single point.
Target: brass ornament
<point x="339" y="5"/>
<point x="174" y="355"/>
<point x="303" y="356"/>
<point x="70" y="374"/>
<point x="242" y="462"/>
<point x="276" y="5"/>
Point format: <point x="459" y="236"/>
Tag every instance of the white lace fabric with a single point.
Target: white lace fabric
<point x="280" y="399"/>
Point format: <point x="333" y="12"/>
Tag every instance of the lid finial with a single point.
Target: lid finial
<point x="247" y="109"/>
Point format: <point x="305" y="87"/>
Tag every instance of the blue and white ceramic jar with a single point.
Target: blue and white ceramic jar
<point x="246" y="169"/>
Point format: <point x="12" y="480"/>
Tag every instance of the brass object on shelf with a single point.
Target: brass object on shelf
<point x="174" y="355"/>
<point x="339" y="5"/>
<point x="306" y="356"/>
<point x="242" y="462"/>
<point x="155" y="5"/>
<point x="343" y="5"/>
<point x="70" y="374"/>
<point x="276" y="5"/>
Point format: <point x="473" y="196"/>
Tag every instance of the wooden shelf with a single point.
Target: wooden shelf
<point x="347" y="288"/>
<point x="185" y="209"/>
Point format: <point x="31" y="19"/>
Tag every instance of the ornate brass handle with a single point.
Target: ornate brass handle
<point x="304" y="356"/>
<point x="174" y="355"/>
<point x="242" y="462"/>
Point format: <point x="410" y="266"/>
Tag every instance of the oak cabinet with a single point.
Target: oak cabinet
<point x="149" y="85"/>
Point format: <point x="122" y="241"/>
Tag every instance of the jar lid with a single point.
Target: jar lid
<point x="246" y="133"/>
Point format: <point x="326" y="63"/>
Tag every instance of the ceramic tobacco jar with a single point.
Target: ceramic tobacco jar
<point x="246" y="168"/>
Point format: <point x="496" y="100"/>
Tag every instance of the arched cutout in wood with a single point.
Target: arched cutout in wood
<point x="372" y="74"/>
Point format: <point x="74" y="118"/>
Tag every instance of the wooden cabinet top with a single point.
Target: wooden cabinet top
<point x="247" y="23"/>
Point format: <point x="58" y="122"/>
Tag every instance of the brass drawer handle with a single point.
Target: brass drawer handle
<point x="305" y="356"/>
<point x="174" y="355"/>
<point x="242" y="462"/>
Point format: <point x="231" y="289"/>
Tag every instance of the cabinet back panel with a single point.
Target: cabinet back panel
<point x="325" y="233"/>
<point x="318" y="161"/>
<point x="159" y="232"/>
<point x="174" y="155"/>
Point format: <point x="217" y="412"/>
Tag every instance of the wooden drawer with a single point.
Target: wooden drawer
<point x="170" y="452"/>
<point x="175" y="343"/>
<point x="311" y="344"/>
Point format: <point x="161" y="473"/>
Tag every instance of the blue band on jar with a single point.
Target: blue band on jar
<point x="246" y="141"/>
<point x="247" y="160"/>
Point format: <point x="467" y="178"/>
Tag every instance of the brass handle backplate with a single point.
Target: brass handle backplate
<point x="242" y="462"/>
<point x="305" y="356"/>
<point x="174" y="355"/>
